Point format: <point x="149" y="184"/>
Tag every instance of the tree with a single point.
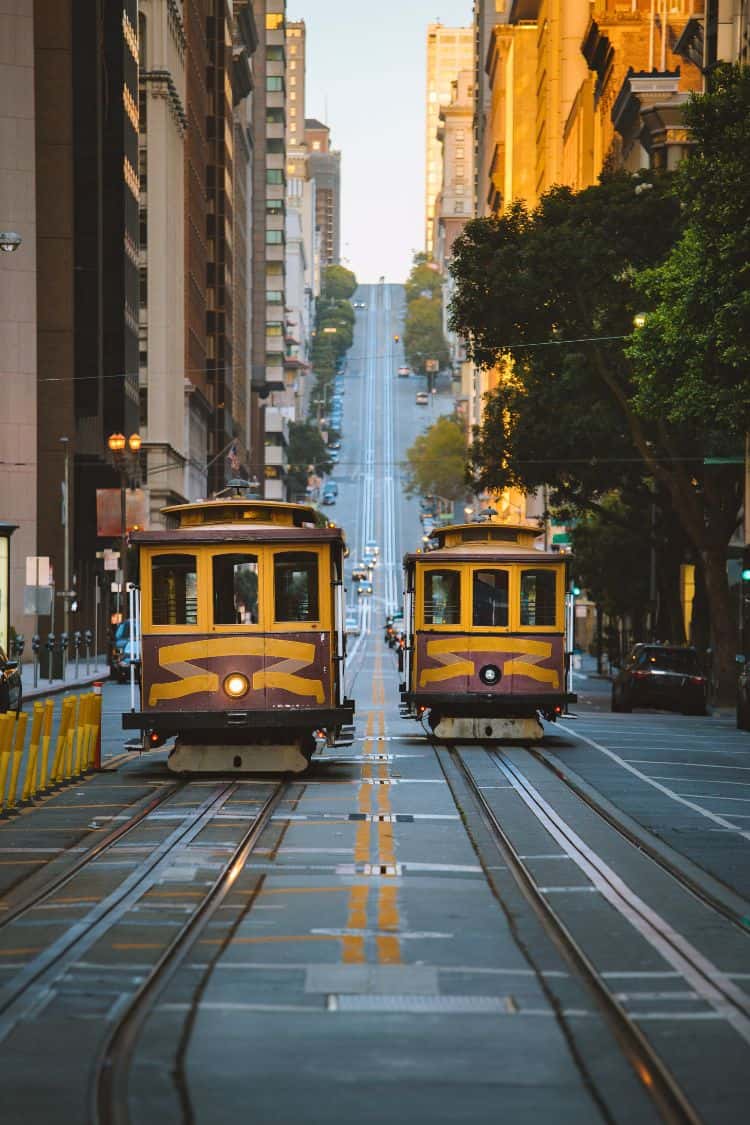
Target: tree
<point x="306" y="450"/>
<point x="338" y="283"/>
<point x="423" y="334"/>
<point x="436" y="462"/>
<point x="556" y="287"/>
<point x="424" y="279"/>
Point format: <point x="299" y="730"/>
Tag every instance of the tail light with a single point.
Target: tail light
<point x="640" y="675"/>
<point x="697" y="680"/>
<point x="155" y="739"/>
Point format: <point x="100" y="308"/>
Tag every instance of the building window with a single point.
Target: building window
<point x="274" y="83"/>
<point x="274" y="176"/>
<point x="275" y="54"/>
<point x="274" y="297"/>
<point x="316" y="146"/>
<point x="275" y="116"/>
<point x="274" y="21"/>
<point x="275" y="206"/>
<point x="459" y="207"/>
<point x="274" y="237"/>
<point x="274" y="328"/>
<point x="275" y="145"/>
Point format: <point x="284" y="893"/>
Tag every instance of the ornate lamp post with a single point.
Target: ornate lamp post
<point x="125" y="459"/>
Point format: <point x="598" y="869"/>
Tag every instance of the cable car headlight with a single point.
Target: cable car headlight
<point x="236" y="685"/>
<point x="490" y="675"/>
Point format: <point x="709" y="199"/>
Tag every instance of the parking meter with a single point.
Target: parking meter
<point x="19" y="644"/>
<point x="88" y="640"/>
<point x="35" y="643"/>
<point x="77" y="647"/>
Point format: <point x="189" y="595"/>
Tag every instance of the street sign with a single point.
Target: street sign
<point x="38" y="600"/>
<point x="111" y="559"/>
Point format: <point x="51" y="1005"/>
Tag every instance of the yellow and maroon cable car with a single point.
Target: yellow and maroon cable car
<point x="242" y="635"/>
<point x="486" y="625"/>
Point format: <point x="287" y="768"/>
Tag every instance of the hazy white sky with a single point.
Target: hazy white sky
<point x="366" y="79"/>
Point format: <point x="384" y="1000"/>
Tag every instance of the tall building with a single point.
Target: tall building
<point x="162" y="127"/>
<point x="487" y="15"/>
<point x="324" y="165"/>
<point x="449" y="50"/>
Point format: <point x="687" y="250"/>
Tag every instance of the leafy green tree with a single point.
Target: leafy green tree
<point x="436" y="462"/>
<point x="306" y="451"/>
<point x="423" y="334"/>
<point x="556" y="288"/>
<point x="338" y="283"/>
<point x="424" y="278"/>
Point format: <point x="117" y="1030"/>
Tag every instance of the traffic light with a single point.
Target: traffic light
<point x="746" y="564"/>
<point x="575" y="589"/>
<point x="396" y="338"/>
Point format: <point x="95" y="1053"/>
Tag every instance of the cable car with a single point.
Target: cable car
<point x="487" y="620"/>
<point x="242" y="627"/>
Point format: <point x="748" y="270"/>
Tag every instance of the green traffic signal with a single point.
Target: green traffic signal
<point x="575" y="591"/>
<point x="746" y="574"/>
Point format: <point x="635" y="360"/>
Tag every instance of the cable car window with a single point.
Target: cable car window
<point x="442" y="597"/>
<point x="490" y="597"/>
<point x="235" y="589"/>
<point x="295" y="586"/>
<point x="538" y="597"/>
<point x="174" y="585"/>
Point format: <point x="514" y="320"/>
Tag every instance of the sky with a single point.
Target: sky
<point x="366" y="79"/>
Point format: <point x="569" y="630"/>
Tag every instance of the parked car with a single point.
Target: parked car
<point x="656" y="675"/>
<point x="404" y="372"/>
<point x="371" y="547"/>
<point x="11" y="688"/>
<point x="364" y="589"/>
<point x="352" y="626"/>
<point x="117" y="639"/>
<point x="328" y="497"/>
<point x="334" y="455"/>
<point x="360" y="573"/>
<point x="334" y="444"/>
<point x="422" y="398"/>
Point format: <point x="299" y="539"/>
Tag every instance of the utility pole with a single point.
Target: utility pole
<point x="65" y="442"/>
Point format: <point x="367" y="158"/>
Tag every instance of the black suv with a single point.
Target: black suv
<point x="657" y="675"/>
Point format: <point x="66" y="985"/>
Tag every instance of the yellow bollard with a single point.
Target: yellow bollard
<point x="18" y="741"/>
<point x="58" y="762"/>
<point x="70" y="740"/>
<point x="81" y="734"/>
<point x="6" y="733"/>
<point x="29" y="782"/>
<point x="96" y="742"/>
<point x="49" y="711"/>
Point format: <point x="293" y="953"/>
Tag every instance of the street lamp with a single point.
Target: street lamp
<point x="639" y="320"/>
<point x="9" y="241"/>
<point x="124" y="453"/>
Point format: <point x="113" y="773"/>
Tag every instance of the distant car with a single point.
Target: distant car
<point x="359" y="305"/>
<point x="364" y="590"/>
<point x="336" y="445"/>
<point x="360" y="574"/>
<point x="371" y="547"/>
<point x="404" y="372"/>
<point x="422" y="398"/>
<point x="329" y="498"/>
<point x="352" y="626"/>
<point x="368" y="564"/>
<point x="333" y="455"/>
<point x="655" y="675"/>
<point x="11" y="689"/>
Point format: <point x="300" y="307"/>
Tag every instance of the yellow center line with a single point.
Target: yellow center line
<point x="389" y="948"/>
<point x="354" y="947"/>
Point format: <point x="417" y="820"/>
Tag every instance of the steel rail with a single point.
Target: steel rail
<point x="736" y="915"/>
<point x="99" y="848"/>
<point x="18" y="996"/>
<point x="109" y="1101"/>
<point x="668" y="1097"/>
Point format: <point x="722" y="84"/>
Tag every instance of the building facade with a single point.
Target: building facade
<point x="449" y="50"/>
<point x="324" y="167"/>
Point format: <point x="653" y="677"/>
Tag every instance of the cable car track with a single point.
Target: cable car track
<point x="661" y="1085"/>
<point x="95" y="852"/>
<point x="109" y="1105"/>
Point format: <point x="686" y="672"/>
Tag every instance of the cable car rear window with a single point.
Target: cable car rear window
<point x="442" y="597"/>
<point x="538" y="597"/>
<point x="235" y="589"/>
<point x="174" y="585"/>
<point x="490" y="597"/>
<point x="295" y="585"/>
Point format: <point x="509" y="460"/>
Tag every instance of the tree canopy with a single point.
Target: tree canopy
<point x="338" y="283"/>
<point x="436" y="462"/>
<point x="307" y="452"/>
<point x="423" y="333"/>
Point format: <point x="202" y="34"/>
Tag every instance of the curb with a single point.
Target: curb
<point x="58" y="686"/>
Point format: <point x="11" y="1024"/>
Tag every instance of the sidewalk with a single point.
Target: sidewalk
<point x="98" y="670"/>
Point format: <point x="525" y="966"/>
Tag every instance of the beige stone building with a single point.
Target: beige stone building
<point x="449" y="50"/>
